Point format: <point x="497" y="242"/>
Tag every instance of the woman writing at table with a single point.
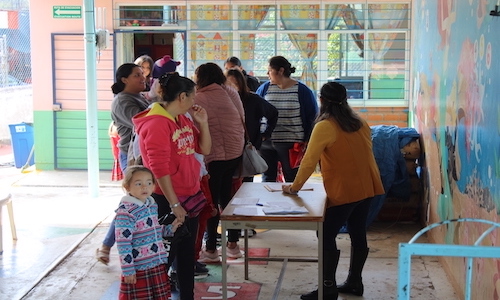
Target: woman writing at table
<point x="341" y="143"/>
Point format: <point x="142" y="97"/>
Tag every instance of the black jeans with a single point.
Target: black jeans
<point x="221" y="180"/>
<point x="273" y="153"/>
<point x="183" y="251"/>
<point x="355" y="215"/>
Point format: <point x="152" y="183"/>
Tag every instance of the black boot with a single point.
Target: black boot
<point x="330" y="262"/>
<point x="354" y="284"/>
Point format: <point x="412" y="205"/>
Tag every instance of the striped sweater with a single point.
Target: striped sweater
<point x="138" y="235"/>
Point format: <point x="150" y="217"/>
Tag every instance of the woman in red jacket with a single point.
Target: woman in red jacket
<point x="168" y="141"/>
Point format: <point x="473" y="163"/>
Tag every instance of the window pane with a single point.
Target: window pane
<point x="251" y="17"/>
<point x="385" y="16"/>
<point x="387" y="52"/>
<point x="302" y="16"/>
<point x="344" y="16"/>
<point x="210" y="47"/>
<point x="269" y="22"/>
<point x="265" y="48"/>
<point x="152" y="15"/>
<point x="346" y="62"/>
<point x="210" y="17"/>
<point x="247" y="52"/>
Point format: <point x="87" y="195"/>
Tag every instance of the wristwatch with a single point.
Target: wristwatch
<point x="174" y="205"/>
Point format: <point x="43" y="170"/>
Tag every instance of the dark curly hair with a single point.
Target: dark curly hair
<point x="172" y="84"/>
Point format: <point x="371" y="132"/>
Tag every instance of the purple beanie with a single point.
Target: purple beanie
<point x="164" y="65"/>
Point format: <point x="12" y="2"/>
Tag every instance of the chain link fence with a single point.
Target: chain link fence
<point x="15" y="46"/>
<point x="15" y="65"/>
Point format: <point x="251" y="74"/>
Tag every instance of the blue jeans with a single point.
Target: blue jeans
<point x="123" y="161"/>
<point x="110" y="239"/>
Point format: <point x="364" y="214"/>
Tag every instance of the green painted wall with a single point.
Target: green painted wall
<point x="65" y="147"/>
<point x="43" y="128"/>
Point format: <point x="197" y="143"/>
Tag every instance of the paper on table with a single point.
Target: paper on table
<point x="273" y="203"/>
<point x="245" y="211"/>
<point x="276" y="188"/>
<point x="245" y="201"/>
<point x="285" y="210"/>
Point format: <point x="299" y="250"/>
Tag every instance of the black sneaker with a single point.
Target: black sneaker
<point x="200" y="271"/>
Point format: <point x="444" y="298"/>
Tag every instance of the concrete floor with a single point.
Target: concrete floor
<point x="59" y="227"/>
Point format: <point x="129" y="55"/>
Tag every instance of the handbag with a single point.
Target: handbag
<point x="194" y="204"/>
<point x="251" y="162"/>
<point x="296" y="153"/>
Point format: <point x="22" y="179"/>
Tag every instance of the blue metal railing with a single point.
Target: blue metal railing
<point x="406" y="250"/>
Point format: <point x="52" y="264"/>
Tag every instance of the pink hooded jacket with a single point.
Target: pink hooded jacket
<point x="225" y="120"/>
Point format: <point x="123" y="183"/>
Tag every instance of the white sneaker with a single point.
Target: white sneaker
<point x="232" y="253"/>
<point x="207" y="257"/>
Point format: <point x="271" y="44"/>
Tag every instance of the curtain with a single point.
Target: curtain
<point x="333" y="14"/>
<point x="384" y="16"/>
<point x="352" y="22"/>
<point x="209" y="47"/>
<point x="211" y="17"/>
<point x="297" y="17"/>
<point x="125" y="53"/>
<point x="250" y="17"/>
<point x="308" y="47"/>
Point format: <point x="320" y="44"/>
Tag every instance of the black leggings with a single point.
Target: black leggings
<point x="221" y="182"/>
<point x="355" y="215"/>
<point x="182" y="250"/>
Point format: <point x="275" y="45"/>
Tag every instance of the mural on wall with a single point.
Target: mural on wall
<point x="457" y="113"/>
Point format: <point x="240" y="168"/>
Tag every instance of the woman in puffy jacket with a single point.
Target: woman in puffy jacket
<point x="225" y="120"/>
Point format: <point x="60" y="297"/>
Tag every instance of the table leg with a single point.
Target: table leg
<point x="11" y="218"/>
<point x="246" y="254"/>
<point x="224" y="261"/>
<point x="320" y="260"/>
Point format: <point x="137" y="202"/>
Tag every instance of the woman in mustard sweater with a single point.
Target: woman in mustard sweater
<point x="341" y="143"/>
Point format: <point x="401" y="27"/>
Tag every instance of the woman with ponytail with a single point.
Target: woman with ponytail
<point x="341" y="143"/>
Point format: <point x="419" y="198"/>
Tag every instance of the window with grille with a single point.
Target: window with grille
<point x="365" y="46"/>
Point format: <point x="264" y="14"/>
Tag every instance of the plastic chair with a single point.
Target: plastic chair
<point x="7" y="200"/>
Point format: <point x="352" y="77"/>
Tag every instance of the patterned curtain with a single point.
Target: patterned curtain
<point x="303" y="17"/>
<point x="250" y="17"/>
<point x="211" y="17"/>
<point x="308" y="46"/>
<point x="209" y="47"/>
<point x="333" y="14"/>
<point x="384" y="16"/>
<point x="352" y="22"/>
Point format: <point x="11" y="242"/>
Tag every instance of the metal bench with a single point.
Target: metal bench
<point x="7" y="200"/>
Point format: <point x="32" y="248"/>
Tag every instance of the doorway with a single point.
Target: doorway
<point x="156" y="44"/>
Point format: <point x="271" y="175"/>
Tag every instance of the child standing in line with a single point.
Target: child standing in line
<point x="143" y="256"/>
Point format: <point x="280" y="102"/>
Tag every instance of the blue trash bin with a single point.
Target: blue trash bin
<point x="22" y="142"/>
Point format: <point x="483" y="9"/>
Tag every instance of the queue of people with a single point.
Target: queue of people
<point x="191" y="136"/>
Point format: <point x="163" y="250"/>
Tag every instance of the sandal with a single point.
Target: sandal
<point x="102" y="255"/>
